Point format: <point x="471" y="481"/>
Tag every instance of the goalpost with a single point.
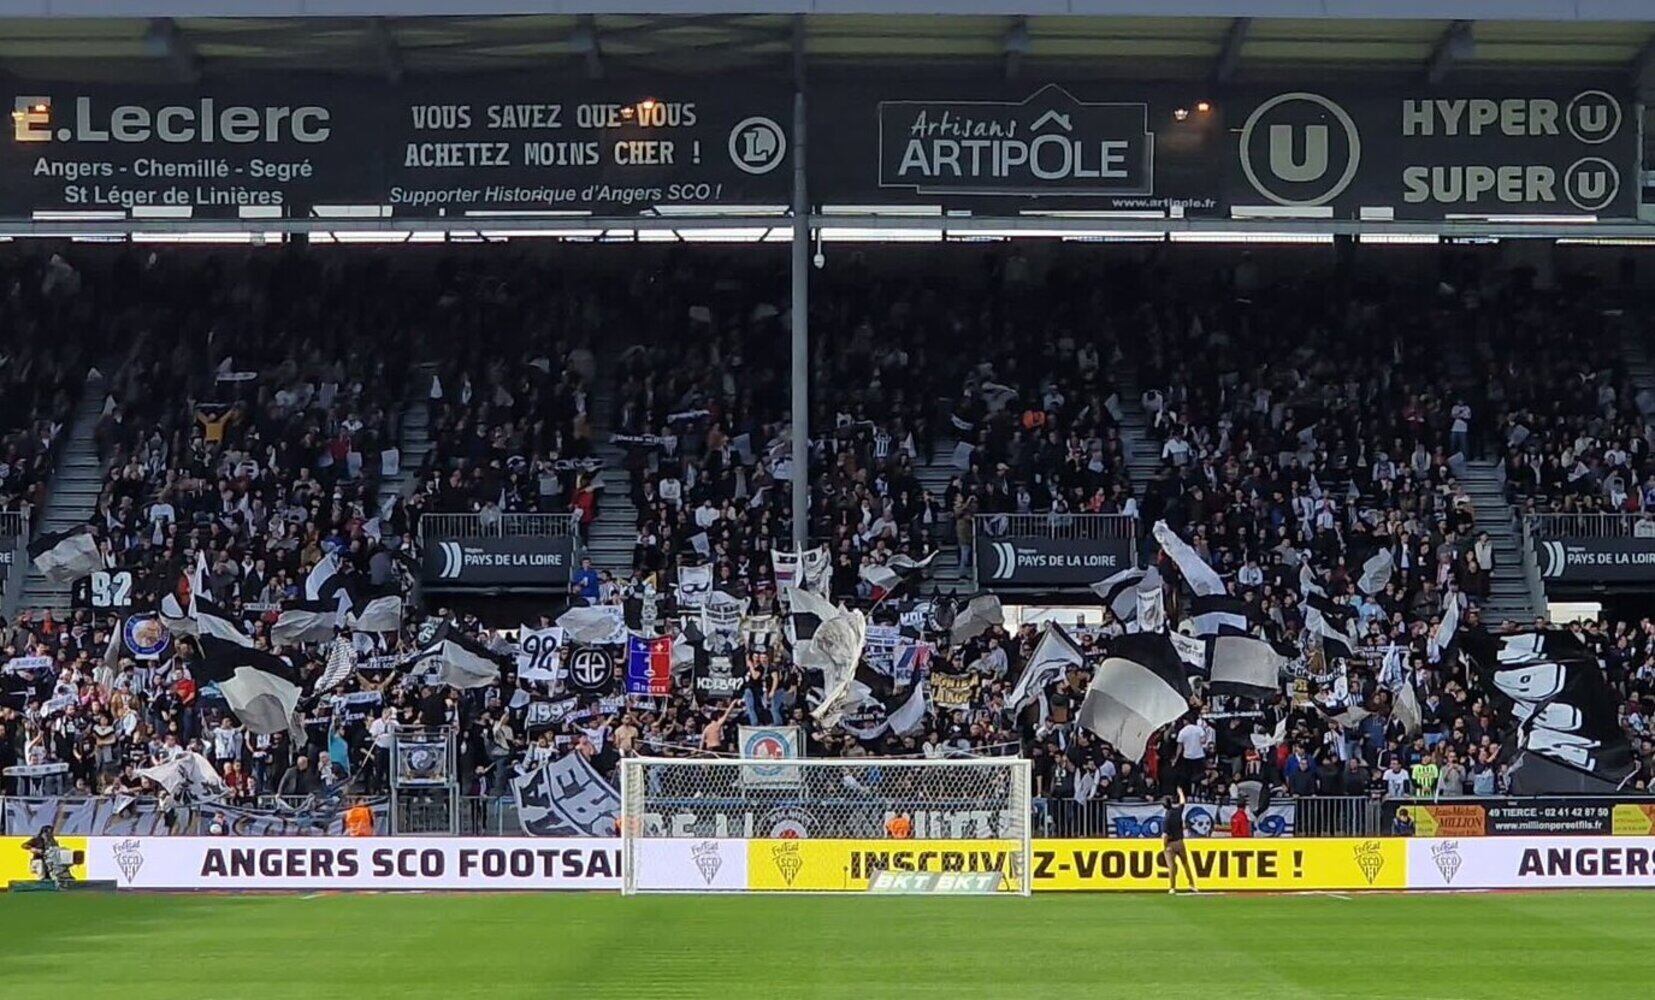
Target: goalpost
<point x="825" y="825"/>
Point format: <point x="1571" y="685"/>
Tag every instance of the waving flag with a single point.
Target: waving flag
<point x="1138" y="688"/>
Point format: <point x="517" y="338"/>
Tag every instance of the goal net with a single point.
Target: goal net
<point x="825" y="825"/>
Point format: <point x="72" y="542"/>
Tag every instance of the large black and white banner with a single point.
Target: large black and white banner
<point x="566" y="798"/>
<point x="486" y="143"/>
<point x="1569" y="739"/>
<point x="1597" y="560"/>
<point x="123" y="815"/>
<point x="1067" y="563"/>
<point x="524" y="561"/>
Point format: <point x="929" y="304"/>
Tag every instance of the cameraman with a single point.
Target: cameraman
<point x="42" y="848"/>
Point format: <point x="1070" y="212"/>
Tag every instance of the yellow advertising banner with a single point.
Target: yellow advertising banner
<point x="1230" y="865"/>
<point x="14" y="860"/>
<point x="1633" y="819"/>
<point x="847" y="865"/>
<point x="1085" y="865"/>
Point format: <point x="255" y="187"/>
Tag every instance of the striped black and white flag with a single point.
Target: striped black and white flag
<point x="1120" y="591"/>
<point x="900" y="569"/>
<point x="1138" y="688"/>
<point x="1217" y="614"/>
<point x="262" y="689"/>
<point x="66" y="556"/>
<point x="213" y="621"/>
<point x="1053" y="657"/>
<point x="1243" y="666"/>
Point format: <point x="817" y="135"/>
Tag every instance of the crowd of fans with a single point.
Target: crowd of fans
<point x="254" y="415"/>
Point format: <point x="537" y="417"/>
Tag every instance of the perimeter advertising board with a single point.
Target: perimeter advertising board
<point x="319" y="863"/>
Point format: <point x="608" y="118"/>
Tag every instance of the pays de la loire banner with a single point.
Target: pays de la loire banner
<point x="493" y="143"/>
<point x="1068" y="563"/>
<point x="1630" y="559"/>
<point x="519" y="561"/>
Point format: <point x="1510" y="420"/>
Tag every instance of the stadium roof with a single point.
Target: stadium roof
<point x="1311" y="35"/>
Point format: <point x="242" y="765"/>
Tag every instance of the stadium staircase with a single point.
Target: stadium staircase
<point x="1640" y="368"/>
<point x="1511" y="596"/>
<point x="1143" y="453"/>
<point x="615" y="531"/>
<point x="934" y="476"/>
<point x="71" y="500"/>
<point x="413" y="439"/>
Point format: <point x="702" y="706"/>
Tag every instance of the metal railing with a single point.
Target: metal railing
<point x="1589" y="525"/>
<point x="1088" y="527"/>
<point x="498" y="525"/>
<point x="14" y="524"/>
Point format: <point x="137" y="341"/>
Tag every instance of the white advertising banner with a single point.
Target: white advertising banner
<point x="1532" y="863"/>
<point x="318" y="863"/>
<point x="690" y="865"/>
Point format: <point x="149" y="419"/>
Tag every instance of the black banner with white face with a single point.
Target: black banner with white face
<point x="1064" y="563"/>
<point x="523" y="562"/>
<point x="1596" y="560"/>
<point x="1533" y="148"/>
<point x="492" y="143"/>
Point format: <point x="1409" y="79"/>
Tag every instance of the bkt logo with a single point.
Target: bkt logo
<point x="1300" y="149"/>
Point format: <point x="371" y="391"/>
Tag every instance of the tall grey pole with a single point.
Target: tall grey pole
<point x="801" y="328"/>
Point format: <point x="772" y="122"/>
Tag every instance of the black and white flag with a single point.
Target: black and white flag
<point x="886" y="579"/>
<point x="1243" y="666"/>
<point x="378" y="614"/>
<point x="306" y="621"/>
<point x="340" y="665"/>
<point x="1332" y="622"/>
<point x="538" y="652"/>
<point x="213" y="620"/>
<point x="188" y="777"/>
<point x="642" y="613"/>
<point x="719" y="673"/>
<point x="1053" y="657"/>
<point x="1203" y="579"/>
<point x="979" y="615"/>
<point x="1376" y="572"/>
<point x="1120" y="592"/>
<point x="601" y="624"/>
<point x="1569" y="739"/>
<point x="262" y="689"/>
<point x="566" y="798"/>
<point x="66" y="556"/>
<point x="457" y="659"/>
<point x="1216" y="614"/>
<point x="1138" y="688"/>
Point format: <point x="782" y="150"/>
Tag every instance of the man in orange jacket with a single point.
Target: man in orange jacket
<point x="359" y="820"/>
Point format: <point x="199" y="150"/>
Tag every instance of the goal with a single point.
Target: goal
<point x="825" y="825"/>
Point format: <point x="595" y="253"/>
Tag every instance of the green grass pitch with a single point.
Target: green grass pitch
<point x="589" y="946"/>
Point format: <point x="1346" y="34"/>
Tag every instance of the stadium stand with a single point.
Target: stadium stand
<point x="258" y="412"/>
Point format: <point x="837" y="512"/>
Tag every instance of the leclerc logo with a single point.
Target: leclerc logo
<point x="757" y="145"/>
<point x="205" y="121"/>
<point x="1300" y="149"/>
